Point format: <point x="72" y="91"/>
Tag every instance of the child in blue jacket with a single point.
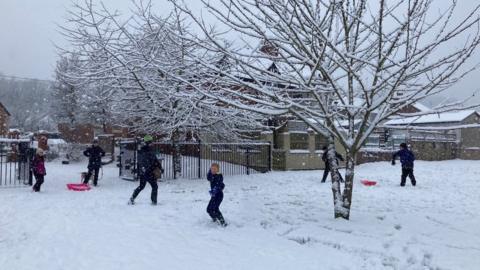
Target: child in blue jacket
<point x="407" y="158"/>
<point x="216" y="192"/>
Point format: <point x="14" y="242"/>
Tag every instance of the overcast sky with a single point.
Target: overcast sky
<point x="28" y="33"/>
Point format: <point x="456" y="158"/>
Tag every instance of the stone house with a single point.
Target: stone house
<point x="443" y="123"/>
<point x="4" y="120"/>
<point x="297" y="147"/>
<point x="438" y="129"/>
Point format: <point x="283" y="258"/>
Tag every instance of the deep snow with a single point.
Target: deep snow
<point x="281" y="220"/>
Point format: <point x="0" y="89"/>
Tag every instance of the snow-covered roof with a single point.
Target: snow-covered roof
<point x="5" y="109"/>
<point x="6" y="140"/>
<point x="448" y="117"/>
<point x="421" y="107"/>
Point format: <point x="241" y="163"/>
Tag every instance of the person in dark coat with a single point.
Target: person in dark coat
<point x="38" y="168"/>
<point x="407" y="159"/>
<point x="94" y="154"/>
<point x="216" y="192"/>
<point x="147" y="163"/>
<point x="327" y="163"/>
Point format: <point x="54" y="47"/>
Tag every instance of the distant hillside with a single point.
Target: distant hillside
<point x="29" y="102"/>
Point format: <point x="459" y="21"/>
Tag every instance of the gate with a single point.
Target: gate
<point x="195" y="158"/>
<point x="15" y="159"/>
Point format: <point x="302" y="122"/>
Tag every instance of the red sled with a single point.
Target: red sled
<point x="368" y="183"/>
<point x="78" y="187"/>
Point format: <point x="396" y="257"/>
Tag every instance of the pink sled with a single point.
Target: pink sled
<point x="368" y="183"/>
<point x="78" y="187"/>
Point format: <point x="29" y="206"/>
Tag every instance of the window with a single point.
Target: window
<point x="299" y="141"/>
<point x="320" y="141"/>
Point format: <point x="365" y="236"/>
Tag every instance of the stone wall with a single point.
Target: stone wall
<point x="472" y="153"/>
<point x="423" y="150"/>
<point x="374" y="155"/>
<point x="434" y="150"/>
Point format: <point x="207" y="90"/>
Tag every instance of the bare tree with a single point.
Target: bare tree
<point x="144" y="69"/>
<point x="340" y="66"/>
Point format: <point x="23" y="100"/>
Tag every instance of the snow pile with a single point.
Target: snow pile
<point x="281" y="220"/>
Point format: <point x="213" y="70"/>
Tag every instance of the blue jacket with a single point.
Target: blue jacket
<point x="406" y="158"/>
<point x="216" y="183"/>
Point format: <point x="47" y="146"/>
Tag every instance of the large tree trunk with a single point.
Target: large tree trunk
<point x="348" y="189"/>
<point x="339" y="210"/>
<point x="177" y="157"/>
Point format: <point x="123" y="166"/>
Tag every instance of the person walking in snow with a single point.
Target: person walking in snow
<point x="407" y="158"/>
<point x="216" y="192"/>
<point x="327" y="163"/>
<point x="94" y="154"/>
<point x="147" y="164"/>
<point x="38" y="169"/>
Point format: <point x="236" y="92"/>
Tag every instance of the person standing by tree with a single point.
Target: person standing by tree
<point x="147" y="165"/>
<point x="407" y="159"/>
<point x="94" y="154"/>
<point x="39" y="171"/>
<point x="327" y="163"/>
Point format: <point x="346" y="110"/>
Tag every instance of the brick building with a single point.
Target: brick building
<point x="4" y="120"/>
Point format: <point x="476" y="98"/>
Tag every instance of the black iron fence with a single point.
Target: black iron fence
<point x="15" y="160"/>
<point x="192" y="160"/>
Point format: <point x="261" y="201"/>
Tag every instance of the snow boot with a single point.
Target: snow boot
<point x="222" y="222"/>
<point x="131" y="201"/>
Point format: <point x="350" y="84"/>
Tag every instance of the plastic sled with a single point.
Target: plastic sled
<point x="368" y="183"/>
<point x="78" y="187"/>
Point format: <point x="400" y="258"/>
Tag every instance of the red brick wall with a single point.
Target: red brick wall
<point x="4" y="122"/>
<point x="81" y="133"/>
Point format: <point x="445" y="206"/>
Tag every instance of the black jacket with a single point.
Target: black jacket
<point x="325" y="157"/>
<point x="94" y="154"/>
<point x="216" y="182"/>
<point x="147" y="162"/>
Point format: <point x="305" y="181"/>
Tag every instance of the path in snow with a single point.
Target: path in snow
<point x="281" y="220"/>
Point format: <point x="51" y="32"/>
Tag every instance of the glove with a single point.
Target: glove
<point x="214" y="191"/>
<point x="393" y="162"/>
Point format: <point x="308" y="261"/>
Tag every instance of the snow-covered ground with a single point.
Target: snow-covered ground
<point x="281" y="220"/>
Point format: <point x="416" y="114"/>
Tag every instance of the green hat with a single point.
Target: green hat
<point x="148" y="138"/>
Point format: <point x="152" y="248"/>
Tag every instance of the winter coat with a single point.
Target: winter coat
<point x="147" y="162"/>
<point x="216" y="183"/>
<point x="325" y="158"/>
<point x="406" y="158"/>
<point x="38" y="165"/>
<point x="94" y="154"/>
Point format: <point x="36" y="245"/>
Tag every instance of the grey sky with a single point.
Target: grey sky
<point x="28" y="33"/>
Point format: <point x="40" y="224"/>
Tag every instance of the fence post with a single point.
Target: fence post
<point x="30" y="161"/>
<point x="270" y="158"/>
<point x="174" y="160"/>
<point x="248" y="160"/>
<point x="199" y="159"/>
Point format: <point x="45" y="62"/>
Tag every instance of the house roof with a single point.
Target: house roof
<point x="421" y="107"/>
<point x="448" y="117"/>
<point x="5" y="109"/>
